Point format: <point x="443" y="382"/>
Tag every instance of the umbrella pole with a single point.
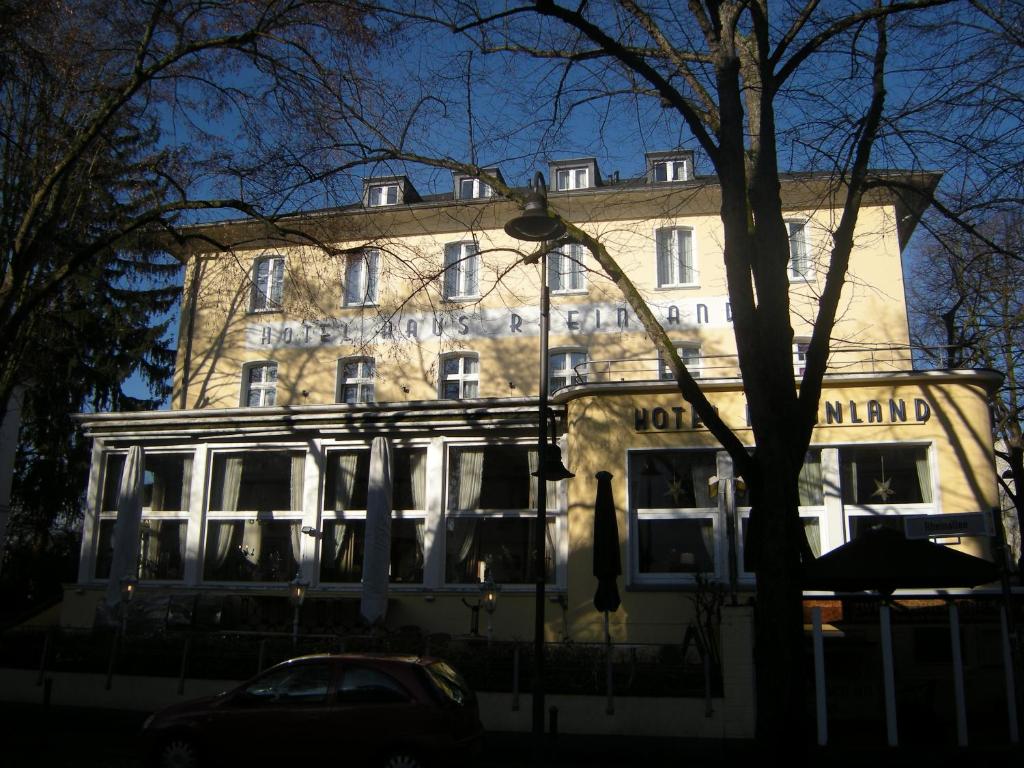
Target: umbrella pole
<point x="609" y="677"/>
<point x="819" y="677"/>
<point x="958" y="676"/>
<point x="888" y="676"/>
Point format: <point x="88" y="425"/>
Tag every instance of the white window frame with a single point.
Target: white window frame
<point x="462" y="376"/>
<point x="557" y="523"/>
<point x="567" y="376"/>
<point x="359" y="515"/>
<point x="800" y="347"/>
<point x="290" y="516"/>
<point x="670" y="277"/>
<point x="689" y="353"/>
<point x="461" y="276"/>
<point x="560" y="278"/>
<point x="478" y="189"/>
<point x="364" y="381"/>
<point x="378" y="195"/>
<point x="887" y="509"/>
<point x="268" y="292"/>
<point x="148" y="514"/>
<point x="576" y="177"/>
<point x="672" y="167"/>
<point x="265" y="385"/>
<point x="361" y="279"/>
<point x="639" y="514"/>
<point x="800" y="266"/>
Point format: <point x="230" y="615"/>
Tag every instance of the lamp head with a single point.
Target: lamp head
<point x="553" y="467"/>
<point x="535" y="224"/>
<point x="128" y="586"/>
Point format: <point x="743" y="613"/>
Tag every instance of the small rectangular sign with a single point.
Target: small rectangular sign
<point x="949" y="524"/>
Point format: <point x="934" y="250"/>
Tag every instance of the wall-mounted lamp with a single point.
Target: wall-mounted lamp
<point x="309" y="530"/>
<point x="297" y="594"/>
<point x="553" y="468"/>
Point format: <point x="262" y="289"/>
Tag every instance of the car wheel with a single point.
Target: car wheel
<point x="402" y="760"/>
<point x="177" y="752"/>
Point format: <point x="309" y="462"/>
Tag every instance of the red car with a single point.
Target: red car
<point x="352" y="709"/>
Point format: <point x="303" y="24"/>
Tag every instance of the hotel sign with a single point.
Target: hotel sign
<point x="371" y="325"/>
<point x="948" y="524"/>
<point x="893" y="410"/>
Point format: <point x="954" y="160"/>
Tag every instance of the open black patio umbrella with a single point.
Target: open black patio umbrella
<point x="607" y="563"/>
<point x="883" y="559"/>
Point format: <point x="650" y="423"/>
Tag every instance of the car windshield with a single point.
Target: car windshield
<point x="448" y="681"/>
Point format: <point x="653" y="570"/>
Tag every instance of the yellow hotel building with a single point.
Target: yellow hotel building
<point x="413" y="318"/>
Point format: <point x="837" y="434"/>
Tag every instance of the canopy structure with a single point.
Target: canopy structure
<point x="883" y="560"/>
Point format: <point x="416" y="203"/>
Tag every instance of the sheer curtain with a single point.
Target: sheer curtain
<point x="469" y="474"/>
<point x="232" y="483"/>
<point x="532" y="460"/>
<point x="418" y="479"/>
<point x="344" y="480"/>
<point x="186" y="483"/>
<point x="924" y="476"/>
<point x="707" y="535"/>
<point x="298" y="470"/>
<point x="809" y="483"/>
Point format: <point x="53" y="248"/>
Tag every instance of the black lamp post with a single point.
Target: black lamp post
<point x="536" y="225"/>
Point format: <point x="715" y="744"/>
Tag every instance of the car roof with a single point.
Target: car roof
<point x="387" y="658"/>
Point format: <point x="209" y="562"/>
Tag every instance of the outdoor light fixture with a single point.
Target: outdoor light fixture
<point x="128" y="587"/>
<point x="553" y="468"/>
<point x="535" y="224"/>
<point x="296" y="594"/>
<point x="309" y="530"/>
<point x="489" y="595"/>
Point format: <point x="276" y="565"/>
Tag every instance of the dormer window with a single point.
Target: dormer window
<point x="672" y="170"/>
<point x="471" y="189"/>
<point x="383" y="194"/>
<point x="572" y="178"/>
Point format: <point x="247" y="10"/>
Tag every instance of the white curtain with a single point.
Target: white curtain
<point x="232" y="483"/>
<point x="298" y="470"/>
<point x="186" y="483"/>
<point x="125" y="559"/>
<point x="812" y="528"/>
<point x="700" y="470"/>
<point x="809" y="482"/>
<point x="418" y="479"/>
<point x="220" y="541"/>
<point x="469" y="478"/>
<point x="707" y="535"/>
<point x="252" y="540"/>
<point x="296" y="536"/>
<point x="343" y="551"/>
<point x="924" y="476"/>
<point x="157" y="492"/>
<point x="344" y="480"/>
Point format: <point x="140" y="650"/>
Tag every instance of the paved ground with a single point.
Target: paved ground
<point x="57" y="737"/>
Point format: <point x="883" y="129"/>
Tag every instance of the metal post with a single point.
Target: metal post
<point x="892" y="734"/>
<point x="43" y="656"/>
<point x="542" y="509"/>
<point x="184" y="664"/>
<point x="958" y="676"/>
<point x="819" y="677"/>
<point x="1011" y="689"/>
<point x="515" y="678"/>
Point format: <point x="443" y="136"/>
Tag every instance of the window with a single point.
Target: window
<point x="889" y="474"/>
<point x="461" y="265"/>
<point x="300" y="683"/>
<point x="267" y="284"/>
<point x="491" y="518"/>
<point x="167" y="483"/>
<point x="355" y="380"/>
<point x="460" y="377"/>
<point x="474" y="188"/>
<point x="383" y="194"/>
<point x="811" y="488"/>
<point x="571" y="178"/>
<point x="562" y="368"/>
<point x="800" y="356"/>
<point x="671" y="170"/>
<point x="253" y="530"/>
<point x="344" y="534"/>
<point x="799" y="259"/>
<point x="675" y="257"/>
<point x="674" y="516"/>
<point x="690" y="355"/>
<point x="361" y="270"/>
<point x="259" y="384"/>
<point x="565" y="268"/>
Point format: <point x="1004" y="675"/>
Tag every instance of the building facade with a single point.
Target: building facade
<point x="412" y="317"/>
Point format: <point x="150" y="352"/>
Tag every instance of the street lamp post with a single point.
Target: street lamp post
<point x="296" y="594"/>
<point x="536" y="225"/>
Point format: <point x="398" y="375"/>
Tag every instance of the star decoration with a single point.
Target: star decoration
<point x="675" y="489"/>
<point x="883" y="489"/>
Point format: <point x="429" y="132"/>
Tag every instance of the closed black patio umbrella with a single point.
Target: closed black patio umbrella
<point x="607" y="563"/>
<point x="883" y="560"/>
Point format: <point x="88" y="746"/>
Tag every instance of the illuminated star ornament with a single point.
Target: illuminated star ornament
<point x="883" y="487"/>
<point x="675" y="489"/>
